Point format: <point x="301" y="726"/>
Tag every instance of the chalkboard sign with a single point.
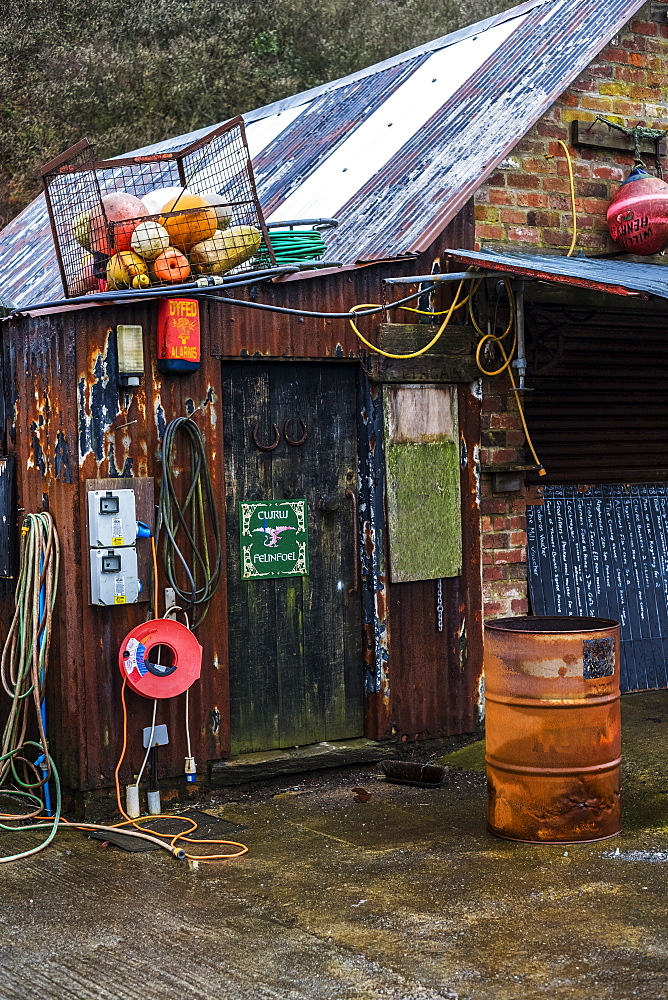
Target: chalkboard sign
<point x="603" y="551"/>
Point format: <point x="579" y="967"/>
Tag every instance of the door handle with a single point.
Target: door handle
<point x="329" y="503"/>
<point x="352" y="496"/>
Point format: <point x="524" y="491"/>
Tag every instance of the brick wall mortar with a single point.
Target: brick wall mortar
<point x="527" y="204"/>
<point x="503" y="514"/>
<point x="527" y="201"/>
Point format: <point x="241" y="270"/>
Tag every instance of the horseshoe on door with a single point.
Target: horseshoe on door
<point x="295" y="444"/>
<point x="267" y="447"/>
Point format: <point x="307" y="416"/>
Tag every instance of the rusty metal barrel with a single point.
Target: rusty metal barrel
<point x="553" y="728"/>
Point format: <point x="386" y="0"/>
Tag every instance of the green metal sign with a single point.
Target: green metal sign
<point x="273" y="539"/>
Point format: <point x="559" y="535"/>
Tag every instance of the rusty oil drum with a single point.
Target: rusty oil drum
<point x="553" y="728"/>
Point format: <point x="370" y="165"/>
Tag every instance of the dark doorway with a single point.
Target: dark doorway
<point x="295" y="642"/>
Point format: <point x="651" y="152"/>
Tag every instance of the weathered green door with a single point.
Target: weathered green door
<point x="295" y="644"/>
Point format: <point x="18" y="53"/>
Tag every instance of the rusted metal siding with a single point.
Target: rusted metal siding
<point x="69" y="424"/>
<point x="241" y="332"/>
<point x="597" y="410"/>
<point x="373" y="560"/>
<point x="72" y="425"/>
<point x="434" y="677"/>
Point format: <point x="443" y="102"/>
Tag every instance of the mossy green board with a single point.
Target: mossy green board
<point x="423" y="482"/>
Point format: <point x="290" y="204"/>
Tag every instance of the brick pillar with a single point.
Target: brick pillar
<point x="504" y="570"/>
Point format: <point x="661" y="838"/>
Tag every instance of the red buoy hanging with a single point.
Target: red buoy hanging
<point x="638" y="213"/>
<point x="164" y="672"/>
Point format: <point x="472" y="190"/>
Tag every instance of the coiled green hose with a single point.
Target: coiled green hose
<point x="290" y="245"/>
<point x="188" y="522"/>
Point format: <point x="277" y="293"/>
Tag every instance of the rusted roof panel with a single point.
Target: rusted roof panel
<point x="393" y="151"/>
<point x="618" y="277"/>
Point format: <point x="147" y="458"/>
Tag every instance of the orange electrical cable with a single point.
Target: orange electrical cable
<point x="173" y="839"/>
<point x="155" y="576"/>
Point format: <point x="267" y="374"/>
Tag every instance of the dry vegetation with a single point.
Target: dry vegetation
<point x="137" y="71"/>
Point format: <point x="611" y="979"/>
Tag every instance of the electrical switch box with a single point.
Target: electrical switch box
<point x="113" y="576"/>
<point x="112" y="518"/>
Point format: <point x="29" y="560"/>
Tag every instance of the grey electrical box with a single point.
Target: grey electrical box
<point x="160" y="737"/>
<point x="112" y="518"/>
<point x="113" y="576"/>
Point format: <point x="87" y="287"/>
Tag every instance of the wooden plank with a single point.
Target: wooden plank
<point x="452" y="358"/>
<point x="251" y="608"/>
<point x="423" y="488"/>
<point x="598" y="135"/>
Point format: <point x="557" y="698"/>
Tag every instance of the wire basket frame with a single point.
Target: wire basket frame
<point x="156" y="220"/>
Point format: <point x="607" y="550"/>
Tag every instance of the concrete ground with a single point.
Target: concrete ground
<point x="402" y="897"/>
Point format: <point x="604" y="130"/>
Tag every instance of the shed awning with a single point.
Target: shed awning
<point x="617" y="277"/>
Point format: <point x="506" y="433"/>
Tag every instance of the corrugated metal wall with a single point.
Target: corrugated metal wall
<point x="68" y="423"/>
<point x="598" y="409"/>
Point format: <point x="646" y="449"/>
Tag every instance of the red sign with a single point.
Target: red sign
<point x="178" y="334"/>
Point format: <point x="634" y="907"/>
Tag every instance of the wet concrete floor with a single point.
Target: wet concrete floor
<point x="402" y="897"/>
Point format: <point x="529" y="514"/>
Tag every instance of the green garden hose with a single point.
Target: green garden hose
<point x="290" y="245"/>
<point x="25" y="765"/>
<point x="187" y="520"/>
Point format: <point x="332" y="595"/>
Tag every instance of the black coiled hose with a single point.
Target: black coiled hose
<point x="189" y="568"/>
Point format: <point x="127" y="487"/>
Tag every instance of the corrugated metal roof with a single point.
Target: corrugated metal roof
<point x="393" y="151"/>
<point x="618" y="277"/>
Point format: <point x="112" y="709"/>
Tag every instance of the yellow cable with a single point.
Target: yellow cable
<point x="574" y="213"/>
<point x="512" y="323"/>
<point x="423" y="350"/>
<point x="492" y="337"/>
<point x="428" y="312"/>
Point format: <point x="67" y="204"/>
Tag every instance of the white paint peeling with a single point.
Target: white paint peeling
<point x="477" y="472"/>
<point x="481" y="698"/>
<point x="380" y="137"/>
<point x="262" y="133"/>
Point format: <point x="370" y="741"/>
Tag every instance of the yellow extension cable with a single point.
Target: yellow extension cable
<point x="485" y="338"/>
<point x="574" y="213"/>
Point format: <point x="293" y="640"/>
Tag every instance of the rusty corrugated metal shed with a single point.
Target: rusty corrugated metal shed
<point x="618" y="277"/>
<point x="393" y="151"/>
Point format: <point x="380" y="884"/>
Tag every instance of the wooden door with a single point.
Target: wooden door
<point x="295" y="643"/>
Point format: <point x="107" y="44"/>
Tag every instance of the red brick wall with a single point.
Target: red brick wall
<point x="503" y="514"/>
<point x="526" y="203"/>
<point x="527" y="200"/>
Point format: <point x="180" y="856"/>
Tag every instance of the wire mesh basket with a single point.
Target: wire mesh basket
<point x="161" y="219"/>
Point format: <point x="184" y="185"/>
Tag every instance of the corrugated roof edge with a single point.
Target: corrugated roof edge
<point x="616" y="277"/>
<point x="454" y="205"/>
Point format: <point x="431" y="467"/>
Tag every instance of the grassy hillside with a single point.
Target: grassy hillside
<point x="131" y="73"/>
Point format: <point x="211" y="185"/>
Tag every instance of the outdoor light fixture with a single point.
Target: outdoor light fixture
<point x="130" y="347"/>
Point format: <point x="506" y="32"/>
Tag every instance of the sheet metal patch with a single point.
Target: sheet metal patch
<point x="599" y="658"/>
